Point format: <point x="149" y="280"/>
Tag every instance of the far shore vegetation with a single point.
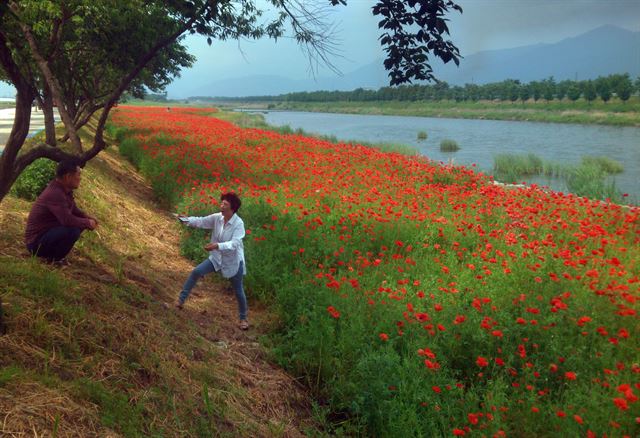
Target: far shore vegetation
<point x="612" y="113"/>
<point x="611" y="100"/>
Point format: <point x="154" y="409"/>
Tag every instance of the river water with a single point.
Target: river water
<point x="481" y="140"/>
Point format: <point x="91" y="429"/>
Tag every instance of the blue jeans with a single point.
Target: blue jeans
<point x="206" y="267"/>
<point x="55" y="244"/>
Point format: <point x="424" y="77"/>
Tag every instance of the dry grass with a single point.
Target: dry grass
<point x="92" y="350"/>
<point x="38" y="407"/>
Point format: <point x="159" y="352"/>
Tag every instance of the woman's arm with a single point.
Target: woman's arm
<point x="236" y="237"/>
<point x="206" y="222"/>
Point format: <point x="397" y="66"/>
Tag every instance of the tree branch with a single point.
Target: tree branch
<point x="53" y="83"/>
<point x="99" y="144"/>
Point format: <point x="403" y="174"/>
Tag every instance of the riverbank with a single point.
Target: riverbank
<point x="612" y="113"/>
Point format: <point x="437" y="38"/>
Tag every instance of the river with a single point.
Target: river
<point x="481" y="140"/>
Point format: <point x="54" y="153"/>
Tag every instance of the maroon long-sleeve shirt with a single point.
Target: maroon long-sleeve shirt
<point x="54" y="207"/>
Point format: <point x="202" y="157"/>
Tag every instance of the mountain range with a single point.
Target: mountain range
<point x="600" y="52"/>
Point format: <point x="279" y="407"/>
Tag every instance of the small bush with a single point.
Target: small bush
<point x="448" y="145"/>
<point x="422" y="135"/>
<point x="117" y="133"/>
<point x="34" y="179"/>
<point x="130" y="149"/>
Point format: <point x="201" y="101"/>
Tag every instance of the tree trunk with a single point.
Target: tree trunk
<point x="8" y="170"/>
<point x="49" y="122"/>
<point x="53" y="84"/>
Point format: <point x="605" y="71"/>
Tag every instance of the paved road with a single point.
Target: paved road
<point x="6" y="122"/>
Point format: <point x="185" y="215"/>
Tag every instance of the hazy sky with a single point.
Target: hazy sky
<point x="484" y="25"/>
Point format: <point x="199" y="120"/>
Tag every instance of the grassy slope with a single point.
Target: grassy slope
<point x="92" y="351"/>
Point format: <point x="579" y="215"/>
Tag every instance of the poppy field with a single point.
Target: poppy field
<point x="416" y="298"/>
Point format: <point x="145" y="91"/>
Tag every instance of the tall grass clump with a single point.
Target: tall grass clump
<point x="606" y="164"/>
<point x="512" y="167"/>
<point x="129" y="148"/>
<point x="517" y="164"/>
<point x="422" y="135"/>
<point x="591" y="181"/>
<point x="34" y="179"/>
<point x="117" y="133"/>
<point x="448" y="145"/>
<point x="555" y="169"/>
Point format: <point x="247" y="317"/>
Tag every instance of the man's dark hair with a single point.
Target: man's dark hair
<point x="233" y="199"/>
<point x="67" y="166"/>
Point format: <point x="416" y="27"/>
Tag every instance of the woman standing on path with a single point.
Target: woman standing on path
<point x="226" y="251"/>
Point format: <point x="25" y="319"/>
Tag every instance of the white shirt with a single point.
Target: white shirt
<point x="229" y="237"/>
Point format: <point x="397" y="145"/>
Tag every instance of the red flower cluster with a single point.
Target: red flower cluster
<point x="544" y="285"/>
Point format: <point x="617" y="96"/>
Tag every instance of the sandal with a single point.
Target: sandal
<point x="244" y="324"/>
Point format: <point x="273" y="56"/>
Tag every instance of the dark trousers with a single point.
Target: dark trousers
<point x="55" y="244"/>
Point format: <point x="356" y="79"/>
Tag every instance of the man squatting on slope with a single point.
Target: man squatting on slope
<point x="55" y="222"/>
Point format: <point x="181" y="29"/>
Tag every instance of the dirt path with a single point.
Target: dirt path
<point x="273" y="395"/>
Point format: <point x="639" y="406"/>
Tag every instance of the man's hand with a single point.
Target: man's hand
<point x="210" y="246"/>
<point x="93" y="224"/>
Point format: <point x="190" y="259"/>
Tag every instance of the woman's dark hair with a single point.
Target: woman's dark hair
<point x="233" y="199"/>
<point x="67" y="166"/>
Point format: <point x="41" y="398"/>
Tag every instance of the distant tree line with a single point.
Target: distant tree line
<point x="156" y="97"/>
<point x="604" y="88"/>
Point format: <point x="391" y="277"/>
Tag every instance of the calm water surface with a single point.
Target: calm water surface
<point x="481" y="140"/>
